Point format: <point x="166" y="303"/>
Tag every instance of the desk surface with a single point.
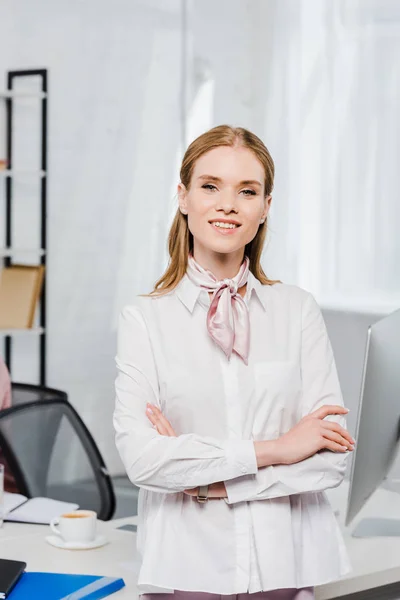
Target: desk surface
<point x="375" y="561"/>
<point x="118" y="558"/>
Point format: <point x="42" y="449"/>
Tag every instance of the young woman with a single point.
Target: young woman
<point x="229" y="414"/>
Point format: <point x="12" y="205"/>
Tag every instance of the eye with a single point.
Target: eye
<point x="209" y="186"/>
<point x="249" y="192"/>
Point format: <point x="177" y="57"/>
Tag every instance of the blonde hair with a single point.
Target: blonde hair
<point x="180" y="239"/>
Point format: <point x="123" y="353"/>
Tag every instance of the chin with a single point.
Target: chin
<point x="224" y="245"/>
<point x="225" y="248"/>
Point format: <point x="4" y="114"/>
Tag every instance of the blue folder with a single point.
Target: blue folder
<point x="57" y="586"/>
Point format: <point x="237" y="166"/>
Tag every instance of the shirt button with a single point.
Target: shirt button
<point x="244" y="470"/>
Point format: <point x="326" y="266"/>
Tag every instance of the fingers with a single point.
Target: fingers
<point x="338" y="439"/>
<point x="335" y="447"/>
<point x="158" y="420"/>
<point x="329" y="409"/>
<point x="343" y="433"/>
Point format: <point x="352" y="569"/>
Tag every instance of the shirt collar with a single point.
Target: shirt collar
<point x="188" y="292"/>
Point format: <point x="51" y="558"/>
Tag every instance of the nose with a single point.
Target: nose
<point x="227" y="201"/>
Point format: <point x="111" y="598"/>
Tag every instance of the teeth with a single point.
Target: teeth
<point x="225" y="225"/>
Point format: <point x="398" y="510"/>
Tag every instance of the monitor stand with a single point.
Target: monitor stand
<point x="377" y="527"/>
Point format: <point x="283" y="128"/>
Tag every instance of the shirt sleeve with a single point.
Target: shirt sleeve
<point x="153" y="461"/>
<point x="320" y="386"/>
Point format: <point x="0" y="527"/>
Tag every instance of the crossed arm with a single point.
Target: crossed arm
<point x="216" y="490"/>
<point x="161" y="461"/>
<point x="312" y="434"/>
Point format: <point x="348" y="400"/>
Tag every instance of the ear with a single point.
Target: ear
<point x="267" y="205"/>
<point x="182" y="198"/>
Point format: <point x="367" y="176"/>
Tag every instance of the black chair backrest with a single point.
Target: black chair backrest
<point x="51" y="453"/>
<point x="22" y="393"/>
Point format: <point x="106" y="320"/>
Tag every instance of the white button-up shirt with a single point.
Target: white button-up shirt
<point x="276" y="529"/>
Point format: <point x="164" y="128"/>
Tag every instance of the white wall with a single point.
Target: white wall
<point x="114" y="127"/>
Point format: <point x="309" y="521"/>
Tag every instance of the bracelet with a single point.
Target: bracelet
<point x="202" y="494"/>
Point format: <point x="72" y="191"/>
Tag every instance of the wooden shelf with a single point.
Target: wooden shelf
<point x="22" y="94"/>
<point x="22" y="173"/>
<point x="31" y="331"/>
<point x="12" y="251"/>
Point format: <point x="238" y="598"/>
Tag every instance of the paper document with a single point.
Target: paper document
<point x="35" y="510"/>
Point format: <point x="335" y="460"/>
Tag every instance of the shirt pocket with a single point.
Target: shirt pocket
<point x="277" y="386"/>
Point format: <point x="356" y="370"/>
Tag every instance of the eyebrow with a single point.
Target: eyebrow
<point x="219" y="180"/>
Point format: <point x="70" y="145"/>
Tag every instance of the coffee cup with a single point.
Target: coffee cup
<point x="75" y="526"/>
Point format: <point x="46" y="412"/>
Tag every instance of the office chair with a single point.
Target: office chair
<point x="51" y="453"/>
<point x="22" y="393"/>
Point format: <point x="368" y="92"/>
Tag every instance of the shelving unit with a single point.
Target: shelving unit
<point x="14" y="332"/>
<point x="10" y="96"/>
<point x="10" y="93"/>
<point x="17" y="251"/>
<point x="22" y="172"/>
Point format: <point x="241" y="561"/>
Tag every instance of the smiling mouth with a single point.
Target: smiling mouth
<point x="222" y="225"/>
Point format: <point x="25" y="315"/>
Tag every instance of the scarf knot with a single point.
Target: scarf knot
<point x="228" y="320"/>
<point x="232" y="285"/>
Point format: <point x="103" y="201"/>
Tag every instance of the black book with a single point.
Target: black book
<point x="10" y="572"/>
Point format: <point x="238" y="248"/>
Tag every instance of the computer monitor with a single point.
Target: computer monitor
<point x="377" y="431"/>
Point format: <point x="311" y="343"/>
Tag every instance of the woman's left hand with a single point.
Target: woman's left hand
<point x="164" y="427"/>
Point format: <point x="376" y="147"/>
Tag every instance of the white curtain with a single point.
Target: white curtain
<point x="332" y="122"/>
<point x="320" y="83"/>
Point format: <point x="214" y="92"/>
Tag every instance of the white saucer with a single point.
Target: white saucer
<point x="58" y="542"/>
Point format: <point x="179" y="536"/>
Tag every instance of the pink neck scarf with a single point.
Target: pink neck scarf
<point x="228" y="320"/>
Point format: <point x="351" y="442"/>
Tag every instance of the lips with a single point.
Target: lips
<point x="228" y="222"/>
<point x="224" y="230"/>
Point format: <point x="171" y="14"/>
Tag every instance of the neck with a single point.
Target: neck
<point x="222" y="266"/>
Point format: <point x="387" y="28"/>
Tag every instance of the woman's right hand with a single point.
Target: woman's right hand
<point x="312" y="434"/>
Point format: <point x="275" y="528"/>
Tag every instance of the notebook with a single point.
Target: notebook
<point x="10" y="572"/>
<point x="57" y="586"/>
<point x="36" y="510"/>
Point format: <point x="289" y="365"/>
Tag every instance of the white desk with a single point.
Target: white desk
<point x="117" y="559"/>
<point x="375" y="561"/>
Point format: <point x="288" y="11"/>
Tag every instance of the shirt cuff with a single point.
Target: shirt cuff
<point x="246" y="488"/>
<point x="241" y="455"/>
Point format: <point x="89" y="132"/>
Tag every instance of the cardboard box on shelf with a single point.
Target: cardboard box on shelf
<point x="20" y="288"/>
